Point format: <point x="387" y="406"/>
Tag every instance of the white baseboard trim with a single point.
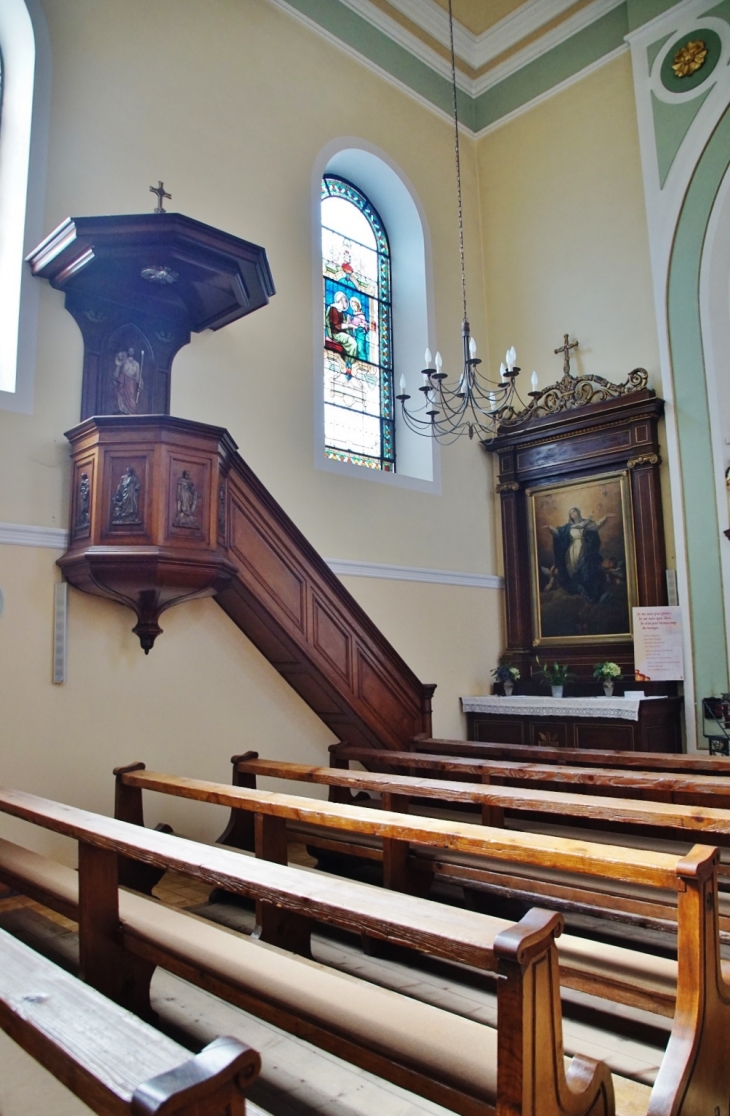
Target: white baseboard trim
<point x="19" y="534"/>
<point x="347" y="568"/>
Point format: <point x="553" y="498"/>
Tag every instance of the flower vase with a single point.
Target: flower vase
<point x="557" y="691"/>
<point x="608" y="689"/>
<point x="508" y="688"/>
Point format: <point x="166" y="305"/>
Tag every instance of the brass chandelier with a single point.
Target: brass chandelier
<point x="476" y="404"/>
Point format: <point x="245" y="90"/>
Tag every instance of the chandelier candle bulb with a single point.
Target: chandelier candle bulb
<point x="503" y="371"/>
<point x="428" y="358"/>
<point x="403" y="385"/>
<point x="439" y="362"/>
<point x="472" y="348"/>
<point x="534" y="381"/>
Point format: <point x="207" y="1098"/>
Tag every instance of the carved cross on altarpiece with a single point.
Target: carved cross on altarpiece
<point x="565" y="349"/>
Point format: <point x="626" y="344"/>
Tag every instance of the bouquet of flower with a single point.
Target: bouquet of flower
<point x="505" y="672"/>
<point x="556" y="675"/>
<point x="607" y="672"/>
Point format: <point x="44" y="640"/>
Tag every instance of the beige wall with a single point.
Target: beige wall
<point x="230" y="102"/>
<point x="565" y="236"/>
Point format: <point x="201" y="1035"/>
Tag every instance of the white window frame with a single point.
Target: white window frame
<point x="418" y="463"/>
<point x="23" y="145"/>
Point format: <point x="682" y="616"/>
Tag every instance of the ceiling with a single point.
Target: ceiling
<point x="478" y="16"/>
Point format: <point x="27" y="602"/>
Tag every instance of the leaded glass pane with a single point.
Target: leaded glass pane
<point x="358" y="373"/>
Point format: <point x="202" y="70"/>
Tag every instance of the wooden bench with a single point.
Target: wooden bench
<point x="113" y="1061"/>
<point x="537" y="884"/>
<point x="647" y="786"/>
<point x="689" y="764"/>
<point x="461" y="1064"/>
<point x="619" y="883"/>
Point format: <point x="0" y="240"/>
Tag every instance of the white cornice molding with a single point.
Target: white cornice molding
<point x="509" y="31"/>
<point x="547" y="42"/>
<point x="19" y="534"/>
<point x="478" y="50"/>
<point x="410" y="42"/>
<point x="344" y="567"/>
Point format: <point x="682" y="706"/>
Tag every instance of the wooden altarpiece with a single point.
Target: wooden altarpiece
<point x="582" y="430"/>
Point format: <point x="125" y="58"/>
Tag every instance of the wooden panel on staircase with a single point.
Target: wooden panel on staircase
<point x="299" y="615"/>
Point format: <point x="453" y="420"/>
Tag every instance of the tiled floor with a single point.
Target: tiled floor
<point x="298" y="1079"/>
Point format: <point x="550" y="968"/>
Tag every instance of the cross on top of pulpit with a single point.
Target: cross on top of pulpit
<point x="159" y="189"/>
<point x="565" y="349"/>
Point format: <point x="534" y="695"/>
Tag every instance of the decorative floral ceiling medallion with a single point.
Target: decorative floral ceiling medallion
<point x="690" y="58"/>
<point x="162" y="275"/>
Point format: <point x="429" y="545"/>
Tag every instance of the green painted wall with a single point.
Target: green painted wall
<point x="693" y="420"/>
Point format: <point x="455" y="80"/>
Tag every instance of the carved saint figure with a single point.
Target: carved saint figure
<point x="128" y="381"/>
<point x="187" y="502"/>
<point x="577" y="550"/>
<point x="83" y="513"/>
<point x="125" y="501"/>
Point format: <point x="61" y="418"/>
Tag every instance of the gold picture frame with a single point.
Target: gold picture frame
<point x="583" y="582"/>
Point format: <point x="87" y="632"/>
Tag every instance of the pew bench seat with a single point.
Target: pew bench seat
<point x="613" y="972"/>
<point x="407" y="1041"/>
<point x="113" y="1061"/>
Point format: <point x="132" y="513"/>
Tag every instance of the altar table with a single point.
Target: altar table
<point x="633" y="723"/>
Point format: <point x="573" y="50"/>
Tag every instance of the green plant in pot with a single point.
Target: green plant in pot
<point x="607" y="674"/>
<point x="556" y="675"/>
<point x="507" y="674"/>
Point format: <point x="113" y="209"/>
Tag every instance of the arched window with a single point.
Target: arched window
<point x="23" y="129"/>
<point x="359" y="421"/>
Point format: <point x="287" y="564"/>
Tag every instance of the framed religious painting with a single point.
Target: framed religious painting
<point x="582" y="560"/>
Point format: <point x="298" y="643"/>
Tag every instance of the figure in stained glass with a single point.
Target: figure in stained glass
<point x="339" y="329"/>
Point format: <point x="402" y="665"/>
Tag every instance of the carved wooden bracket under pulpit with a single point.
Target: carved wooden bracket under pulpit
<point x="148" y="513"/>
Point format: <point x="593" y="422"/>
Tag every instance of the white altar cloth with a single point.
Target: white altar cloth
<point x="623" y="708"/>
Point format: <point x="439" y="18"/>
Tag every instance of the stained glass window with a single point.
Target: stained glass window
<point x="359" y="421"/>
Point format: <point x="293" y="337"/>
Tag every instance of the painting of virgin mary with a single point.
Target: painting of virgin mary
<point x="582" y="561"/>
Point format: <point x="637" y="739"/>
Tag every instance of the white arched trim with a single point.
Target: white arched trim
<point x="23" y="146"/>
<point x="373" y="172"/>
<point x="715" y="317"/>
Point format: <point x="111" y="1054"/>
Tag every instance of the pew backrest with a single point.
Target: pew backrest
<point x="694" y="822"/>
<point x="648" y="785"/>
<point x="113" y="1061"/>
<point x="697" y="764"/>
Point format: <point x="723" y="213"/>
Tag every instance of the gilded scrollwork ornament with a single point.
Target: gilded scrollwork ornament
<point x="576" y="391"/>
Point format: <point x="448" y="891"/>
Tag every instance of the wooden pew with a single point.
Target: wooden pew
<point x="113" y="1061"/>
<point x="519" y="1071"/>
<point x="563" y="892"/>
<point x="688" y="764"/>
<point x="691" y="1079"/>
<point x="629" y="885"/>
<point x="694" y="823"/>
<point x="679" y="788"/>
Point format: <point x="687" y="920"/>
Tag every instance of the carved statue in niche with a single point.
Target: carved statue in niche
<point x="128" y="380"/>
<point x="125" y="501"/>
<point x="83" y="514"/>
<point x="187" y="501"/>
<point x="222" y="509"/>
